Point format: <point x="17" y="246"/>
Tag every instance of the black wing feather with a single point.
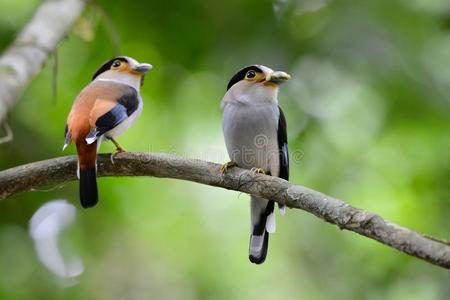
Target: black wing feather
<point x="130" y="101"/>
<point x="111" y="119"/>
<point x="283" y="146"/>
<point x="66" y="135"/>
<point x="126" y="105"/>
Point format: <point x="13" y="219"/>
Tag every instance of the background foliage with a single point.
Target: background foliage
<point x="368" y="109"/>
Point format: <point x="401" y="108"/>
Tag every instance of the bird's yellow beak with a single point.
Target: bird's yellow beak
<point x="277" y="77"/>
<point x="142" y="68"/>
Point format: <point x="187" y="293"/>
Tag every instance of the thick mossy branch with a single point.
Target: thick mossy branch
<point x="63" y="169"/>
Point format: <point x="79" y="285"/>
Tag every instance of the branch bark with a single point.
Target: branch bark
<point x="60" y="170"/>
<point x="32" y="48"/>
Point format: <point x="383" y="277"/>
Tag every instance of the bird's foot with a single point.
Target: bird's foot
<point x="224" y="168"/>
<point x="118" y="150"/>
<point x="118" y="147"/>
<point x="258" y="171"/>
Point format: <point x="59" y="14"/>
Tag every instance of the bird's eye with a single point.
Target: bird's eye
<point x="116" y="64"/>
<point x="251" y="74"/>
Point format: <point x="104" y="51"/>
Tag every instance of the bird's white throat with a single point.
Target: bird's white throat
<point x="128" y="79"/>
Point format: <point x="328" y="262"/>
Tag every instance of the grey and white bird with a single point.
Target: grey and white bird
<point x="254" y="128"/>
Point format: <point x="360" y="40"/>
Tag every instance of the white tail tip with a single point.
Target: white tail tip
<point x="283" y="210"/>
<point x="270" y="223"/>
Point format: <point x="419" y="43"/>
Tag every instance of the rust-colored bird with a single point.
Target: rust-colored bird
<point x="105" y="108"/>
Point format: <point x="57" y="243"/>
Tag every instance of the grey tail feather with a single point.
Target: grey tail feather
<point x="259" y="238"/>
<point x="88" y="187"/>
<point x="259" y="256"/>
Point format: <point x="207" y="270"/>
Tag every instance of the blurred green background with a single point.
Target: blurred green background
<point x="368" y="114"/>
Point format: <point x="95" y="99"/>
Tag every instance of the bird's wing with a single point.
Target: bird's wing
<point x="283" y="150"/>
<point x="283" y="146"/>
<point x="263" y="218"/>
<point x="67" y="137"/>
<point x="108" y="112"/>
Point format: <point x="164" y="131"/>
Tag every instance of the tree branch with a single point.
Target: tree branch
<point x="63" y="169"/>
<point x="32" y="48"/>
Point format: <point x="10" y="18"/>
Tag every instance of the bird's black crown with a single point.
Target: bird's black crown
<point x="241" y="75"/>
<point x="107" y="65"/>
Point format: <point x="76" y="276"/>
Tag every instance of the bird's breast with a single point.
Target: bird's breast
<point x="251" y="135"/>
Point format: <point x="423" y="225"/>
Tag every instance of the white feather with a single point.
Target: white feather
<point x="283" y="210"/>
<point x="91" y="140"/>
<point x="270" y="223"/>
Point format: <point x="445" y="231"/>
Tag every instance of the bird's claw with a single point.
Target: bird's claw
<point x="258" y="171"/>
<point x="224" y="168"/>
<point x="118" y="150"/>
